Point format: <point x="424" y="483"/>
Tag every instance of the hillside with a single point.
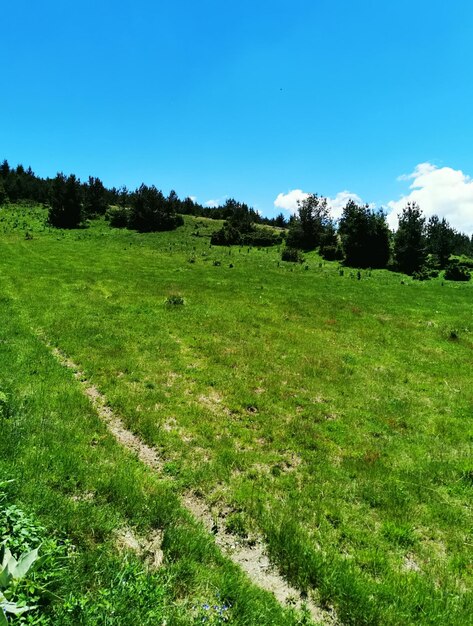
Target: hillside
<point x="323" y="411"/>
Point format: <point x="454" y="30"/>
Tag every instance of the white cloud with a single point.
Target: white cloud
<point x="288" y="201"/>
<point x="193" y="198"/>
<point x="440" y="191"/>
<point x="212" y="204"/>
<point x="340" y="201"/>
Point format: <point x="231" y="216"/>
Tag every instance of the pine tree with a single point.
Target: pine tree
<point x="409" y="239"/>
<point x="306" y="230"/>
<point x="440" y="239"/>
<point x="365" y="236"/>
<point x="65" y="202"/>
<point x="151" y="211"/>
<point x="95" y="197"/>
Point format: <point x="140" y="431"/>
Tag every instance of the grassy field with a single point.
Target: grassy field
<point x="327" y="410"/>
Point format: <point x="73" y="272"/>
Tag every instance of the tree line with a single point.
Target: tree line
<point x="146" y="208"/>
<point x="361" y="237"/>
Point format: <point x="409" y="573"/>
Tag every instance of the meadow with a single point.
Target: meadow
<point x="324" y="409"/>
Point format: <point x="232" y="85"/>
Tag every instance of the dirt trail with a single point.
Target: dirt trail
<point x="250" y="557"/>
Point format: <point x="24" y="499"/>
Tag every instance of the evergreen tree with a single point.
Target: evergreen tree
<point x="65" y="202"/>
<point x="188" y="206"/>
<point x="3" y="193"/>
<point x="440" y="239"/>
<point x="280" y="221"/>
<point x="151" y="211"/>
<point x="306" y="230"/>
<point x="365" y="236"/>
<point x="409" y="239"/>
<point x="95" y="197"/>
<point x="173" y="201"/>
<point x="4" y="169"/>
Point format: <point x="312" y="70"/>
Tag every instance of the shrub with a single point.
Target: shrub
<point x="457" y="272"/>
<point x="331" y="253"/>
<point x="425" y="273"/>
<point x="228" y="235"/>
<point x="262" y="238"/>
<point x="174" y="300"/>
<point x="118" y="216"/>
<point x="232" y="234"/>
<point x="151" y="211"/>
<point x="293" y="255"/>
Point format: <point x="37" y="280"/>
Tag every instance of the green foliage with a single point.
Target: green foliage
<point x="457" y="272"/>
<point x="330" y="248"/>
<point x="11" y="573"/>
<point x="261" y="237"/>
<point x="426" y="272"/>
<point x="23" y="589"/>
<point x="150" y="211"/>
<point x="118" y="216"/>
<point x="95" y="197"/>
<point x="409" y="240"/>
<point x="331" y="253"/>
<point x="293" y="255"/>
<point x="175" y="300"/>
<point x="65" y="202"/>
<point x="365" y="236"/>
<point x="440" y="239"/>
<point x="240" y="228"/>
<point x="228" y="235"/>
<point x="3" y="194"/>
<point x="307" y="229"/>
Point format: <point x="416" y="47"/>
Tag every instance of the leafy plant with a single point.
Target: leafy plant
<point x="293" y="255"/>
<point x="21" y="588"/>
<point x="118" y="216"/>
<point x="12" y="571"/>
<point x="175" y="300"/>
<point x="457" y="272"/>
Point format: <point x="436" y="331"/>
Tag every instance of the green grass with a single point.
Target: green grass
<point x="331" y="414"/>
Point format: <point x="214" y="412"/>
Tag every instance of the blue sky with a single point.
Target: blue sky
<point x="246" y="99"/>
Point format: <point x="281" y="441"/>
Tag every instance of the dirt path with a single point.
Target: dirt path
<point x="251" y="557"/>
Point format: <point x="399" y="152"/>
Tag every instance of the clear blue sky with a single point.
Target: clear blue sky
<point x="243" y="99"/>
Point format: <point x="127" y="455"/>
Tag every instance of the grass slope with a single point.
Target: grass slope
<point x="331" y="414"/>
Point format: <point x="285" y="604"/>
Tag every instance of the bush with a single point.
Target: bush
<point x="151" y="211"/>
<point x="293" y="255"/>
<point x="118" y="216"/>
<point x="174" y="300"/>
<point x="457" y="272"/>
<point x="231" y="235"/>
<point x="331" y="253"/>
<point x="262" y="238"/>
<point x="425" y="273"/>
<point x="228" y="235"/>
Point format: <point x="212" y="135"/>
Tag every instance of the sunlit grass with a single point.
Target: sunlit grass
<point x="332" y="414"/>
